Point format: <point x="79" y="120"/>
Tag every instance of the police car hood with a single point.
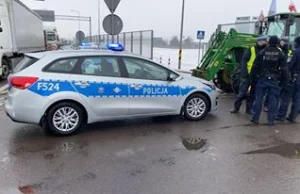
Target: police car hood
<point x="188" y="76"/>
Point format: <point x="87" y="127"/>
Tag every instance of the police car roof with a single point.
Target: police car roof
<point x="74" y="53"/>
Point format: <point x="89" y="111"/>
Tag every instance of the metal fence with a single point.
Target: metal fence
<point x="242" y="27"/>
<point x="137" y="42"/>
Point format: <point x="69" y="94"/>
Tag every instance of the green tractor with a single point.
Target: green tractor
<point x="221" y="62"/>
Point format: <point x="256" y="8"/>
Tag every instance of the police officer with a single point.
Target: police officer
<point x="271" y="68"/>
<point x="285" y="93"/>
<point x="294" y="67"/>
<point x="246" y="66"/>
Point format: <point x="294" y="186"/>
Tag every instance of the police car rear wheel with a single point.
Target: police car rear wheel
<point x="196" y="107"/>
<point x="65" y="118"/>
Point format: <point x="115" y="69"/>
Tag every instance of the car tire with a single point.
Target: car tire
<point x="196" y="107"/>
<point x="69" y="119"/>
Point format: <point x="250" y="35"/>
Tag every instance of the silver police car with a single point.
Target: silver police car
<point x="64" y="90"/>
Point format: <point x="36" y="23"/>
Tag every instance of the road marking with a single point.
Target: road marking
<point x="3" y="88"/>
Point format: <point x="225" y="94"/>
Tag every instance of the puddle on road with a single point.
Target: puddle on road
<point x="170" y="161"/>
<point x="287" y="150"/>
<point x="194" y="143"/>
<point x="71" y="146"/>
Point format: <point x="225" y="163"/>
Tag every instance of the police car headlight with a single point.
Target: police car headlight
<point x="211" y="86"/>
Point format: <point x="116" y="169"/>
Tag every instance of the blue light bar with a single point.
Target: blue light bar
<point x="115" y="47"/>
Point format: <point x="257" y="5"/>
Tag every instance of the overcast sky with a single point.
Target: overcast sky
<point x="163" y="16"/>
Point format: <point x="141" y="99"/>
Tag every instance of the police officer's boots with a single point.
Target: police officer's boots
<point x="234" y="110"/>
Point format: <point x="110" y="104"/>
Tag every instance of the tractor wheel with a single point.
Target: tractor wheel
<point x="236" y="80"/>
<point x="223" y="81"/>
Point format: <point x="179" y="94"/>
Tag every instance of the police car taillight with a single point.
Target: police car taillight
<point x="22" y="82"/>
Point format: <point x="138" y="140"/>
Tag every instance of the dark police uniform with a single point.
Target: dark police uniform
<point x="271" y="68"/>
<point x="294" y="68"/>
<point x="286" y="92"/>
<point x="246" y="66"/>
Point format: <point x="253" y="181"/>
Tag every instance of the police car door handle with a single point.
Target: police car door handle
<point x="135" y="85"/>
<point x="82" y="83"/>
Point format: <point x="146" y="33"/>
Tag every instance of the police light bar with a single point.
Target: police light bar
<point x="115" y="47"/>
<point x="87" y="45"/>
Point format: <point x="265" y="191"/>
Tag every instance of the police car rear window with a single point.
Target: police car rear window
<point x="26" y="62"/>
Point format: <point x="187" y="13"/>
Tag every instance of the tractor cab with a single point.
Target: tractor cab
<point x="283" y="25"/>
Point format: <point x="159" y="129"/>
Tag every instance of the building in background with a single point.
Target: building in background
<point x="246" y="24"/>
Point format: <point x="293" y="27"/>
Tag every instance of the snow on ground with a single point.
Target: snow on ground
<point x="189" y="57"/>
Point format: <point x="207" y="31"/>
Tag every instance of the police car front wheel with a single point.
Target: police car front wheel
<point x="196" y="107"/>
<point x="65" y="118"/>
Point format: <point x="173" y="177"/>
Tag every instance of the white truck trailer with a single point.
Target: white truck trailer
<point x="21" y="31"/>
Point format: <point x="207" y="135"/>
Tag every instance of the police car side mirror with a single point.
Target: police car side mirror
<point x="172" y="77"/>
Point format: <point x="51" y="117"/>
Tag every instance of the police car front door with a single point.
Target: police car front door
<point x="149" y="91"/>
<point x="102" y="87"/>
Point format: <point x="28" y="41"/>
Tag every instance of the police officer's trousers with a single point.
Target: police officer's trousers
<point x="263" y="86"/>
<point x="285" y="99"/>
<point x="295" y="99"/>
<point x="243" y="94"/>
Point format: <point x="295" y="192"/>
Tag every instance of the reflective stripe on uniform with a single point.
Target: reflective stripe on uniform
<point x="290" y="52"/>
<point x="252" y="59"/>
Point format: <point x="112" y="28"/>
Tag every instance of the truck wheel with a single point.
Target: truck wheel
<point x="65" y="119"/>
<point x="5" y="69"/>
<point x="223" y="81"/>
<point x="196" y="107"/>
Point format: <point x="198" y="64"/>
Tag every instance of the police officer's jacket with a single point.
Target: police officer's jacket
<point x="271" y="63"/>
<point x="294" y="65"/>
<point x="287" y="51"/>
<point x="249" y="58"/>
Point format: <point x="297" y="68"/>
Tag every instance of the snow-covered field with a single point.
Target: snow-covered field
<point x="189" y="57"/>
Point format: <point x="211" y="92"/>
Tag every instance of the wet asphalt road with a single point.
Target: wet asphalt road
<point x="153" y="155"/>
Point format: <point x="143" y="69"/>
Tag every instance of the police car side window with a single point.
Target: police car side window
<point x="101" y="66"/>
<point x="62" y="66"/>
<point x="142" y="69"/>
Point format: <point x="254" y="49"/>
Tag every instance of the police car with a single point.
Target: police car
<point x="64" y="90"/>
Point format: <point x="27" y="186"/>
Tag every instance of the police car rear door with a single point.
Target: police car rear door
<point x="101" y="85"/>
<point x="149" y="89"/>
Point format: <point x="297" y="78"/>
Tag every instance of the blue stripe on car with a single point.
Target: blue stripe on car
<point x="111" y="90"/>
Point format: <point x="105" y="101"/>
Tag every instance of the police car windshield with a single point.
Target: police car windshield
<point x="26" y="62"/>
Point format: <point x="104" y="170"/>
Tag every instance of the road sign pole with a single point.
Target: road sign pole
<point x="181" y="36"/>
<point x="90" y="23"/>
<point x="112" y="29"/>
<point x="112" y="25"/>
<point x="200" y="37"/>
<point x="199" y="51"/>
<point x="99" y="22"/>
